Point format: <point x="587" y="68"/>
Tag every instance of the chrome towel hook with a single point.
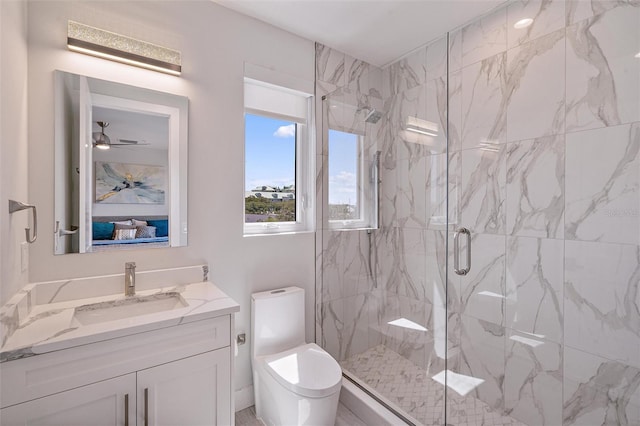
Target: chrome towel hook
<point x="16" y="206"/>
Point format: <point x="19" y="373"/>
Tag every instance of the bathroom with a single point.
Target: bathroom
<point x="543" y="329"/>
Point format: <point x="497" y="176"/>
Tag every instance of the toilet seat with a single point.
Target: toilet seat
<point x="305" y="370"/>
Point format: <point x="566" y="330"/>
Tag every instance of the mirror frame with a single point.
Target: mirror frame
<point x="124" y="97"/>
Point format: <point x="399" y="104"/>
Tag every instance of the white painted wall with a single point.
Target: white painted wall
<point x="215" y="43"/>
<point x="13" y="143"/>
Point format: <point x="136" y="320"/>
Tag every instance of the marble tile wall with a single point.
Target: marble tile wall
<point x="349" y="296"/>
<point x="543" y="167"/>
<point x="548" y="183"/>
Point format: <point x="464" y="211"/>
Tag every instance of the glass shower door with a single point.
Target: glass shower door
<point x="544" y="170"/>
<point x="383" y="297"/>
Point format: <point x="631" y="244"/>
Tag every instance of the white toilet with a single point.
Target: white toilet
<point x="295" y="383"/>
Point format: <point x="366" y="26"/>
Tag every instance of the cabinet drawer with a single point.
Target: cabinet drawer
<point x="41" y="375"/>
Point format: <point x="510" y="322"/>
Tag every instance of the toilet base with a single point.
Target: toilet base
<point x="277" y="406"/>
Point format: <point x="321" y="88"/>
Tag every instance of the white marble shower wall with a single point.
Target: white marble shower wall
<point x="411" y="242"/>
<point x="347" y="297"/>
<point x="544" y="169"/>
<point x="547" y="180"/>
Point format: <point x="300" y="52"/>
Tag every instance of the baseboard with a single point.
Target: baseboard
<point x="366" y="408"/>
<point x="244" y="398"/>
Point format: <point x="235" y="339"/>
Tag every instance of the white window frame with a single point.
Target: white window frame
<point x="361" y="222"/>
<point x="304" y="167"/>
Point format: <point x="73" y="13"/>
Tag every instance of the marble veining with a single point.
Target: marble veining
<point x="483" y="93"/>
<point x="483" y="181"/>
<point x="52" y="326"/>
<point x="603" y="90"/>
<point x="9" y="321"/>
<point x="412" y="185"/>
<point x="535" y="187"/>
<point x="406" y="73"/>
<point x="602" y="299"/>
<point x="536" y="82"/>
<point x="410" y="263"/>
<point x="484" y="37"/>
<point x="534" y="285"/>
<point x="544" y="168"/>
<point x="345" y="264"/>
<point x="482" y="356"/>
<point x="548" y="16"/>
<point x="483" y="289"/>
<point x="354" y="69"/>
<point x="533" y="379"/>
<point x="578" y="10"/>
<point x="409" y="105"/>
<point x="61" y="288"/>
<point x="599" y="391"/>
<point x="602" y="191"/>
<point x="329" y="65"/>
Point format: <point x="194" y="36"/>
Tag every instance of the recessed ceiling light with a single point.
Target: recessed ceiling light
<point x="638" y="55"/>
<point x="523" y="23"/>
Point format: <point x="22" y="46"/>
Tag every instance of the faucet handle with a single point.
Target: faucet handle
<point x="130" y="265"/>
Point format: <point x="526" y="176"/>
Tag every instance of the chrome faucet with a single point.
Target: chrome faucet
<point x="130" y="279"/>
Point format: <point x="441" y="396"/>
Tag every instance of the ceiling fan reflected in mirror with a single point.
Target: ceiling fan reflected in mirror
<point x="102" y="141"/>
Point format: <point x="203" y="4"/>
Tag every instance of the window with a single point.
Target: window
<point x="352" y="182"/>
<point x="352" y="167"/>
<point x="278" y="160"/>
<point x="345" y="170"/>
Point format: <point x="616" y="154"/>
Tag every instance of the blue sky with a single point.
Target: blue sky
<point x="343" y="166"/>
<point x="269" y="152"/>
<point x="270" y="157"/>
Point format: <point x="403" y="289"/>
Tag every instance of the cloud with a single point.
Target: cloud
<point x="285" y="131"/>
<point x="342" y="188"/>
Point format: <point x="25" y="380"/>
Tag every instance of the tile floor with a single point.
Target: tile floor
<point x="412" y="390"/>
<point x="344" y="417"/>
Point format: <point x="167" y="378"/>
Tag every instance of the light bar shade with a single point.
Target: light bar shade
<point x="105" y="44"/>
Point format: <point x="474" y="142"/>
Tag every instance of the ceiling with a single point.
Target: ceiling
<point x="376" y="31"/>
<point x="150" y="131"/>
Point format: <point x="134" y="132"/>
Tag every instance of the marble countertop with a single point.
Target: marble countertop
<point x="47" y="327"/>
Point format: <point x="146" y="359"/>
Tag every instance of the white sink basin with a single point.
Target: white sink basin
<point x="127" y="308"/>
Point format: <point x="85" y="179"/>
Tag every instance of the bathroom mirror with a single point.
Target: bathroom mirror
<point x="120" y="166"/>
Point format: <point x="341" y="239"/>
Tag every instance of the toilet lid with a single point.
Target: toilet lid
<point x="306" y="370"/>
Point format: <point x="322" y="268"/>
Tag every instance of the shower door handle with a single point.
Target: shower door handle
<point x="456" y="251"/>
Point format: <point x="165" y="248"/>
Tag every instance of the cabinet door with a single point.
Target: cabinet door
<point x="189" y="392"/>
<point x="98" y="404"/>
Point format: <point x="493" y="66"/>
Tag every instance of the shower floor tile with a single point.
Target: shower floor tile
<point x="415" y="392"/>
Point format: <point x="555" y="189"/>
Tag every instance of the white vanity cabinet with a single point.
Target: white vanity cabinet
<point x="179" y="375"/>
<point x="192" y="391"/>
<point x="99" y="404"/>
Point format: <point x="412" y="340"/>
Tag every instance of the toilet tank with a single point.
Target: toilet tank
<point x="277" y="320"/>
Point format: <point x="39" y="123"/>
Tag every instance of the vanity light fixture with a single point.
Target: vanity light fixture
<point x="523" y="23"/>
<point x="105" y="44"/>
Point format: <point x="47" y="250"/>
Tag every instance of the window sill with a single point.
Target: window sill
<point x="283" y="232"/>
